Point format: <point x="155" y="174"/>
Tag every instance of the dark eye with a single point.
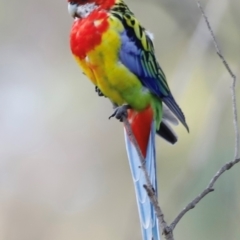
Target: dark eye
<point x="72" y="2"/>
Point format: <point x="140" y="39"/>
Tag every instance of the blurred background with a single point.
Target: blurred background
<point x="64" y="173"/>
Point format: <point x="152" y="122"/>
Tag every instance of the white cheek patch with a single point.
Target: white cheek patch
<point x="84" y="10"/>
<point x="72" y="8"/>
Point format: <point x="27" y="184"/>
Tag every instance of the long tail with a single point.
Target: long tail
<point x="144" y="130"/>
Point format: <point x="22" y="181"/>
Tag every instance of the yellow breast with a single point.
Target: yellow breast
<point x="103" y="67"/>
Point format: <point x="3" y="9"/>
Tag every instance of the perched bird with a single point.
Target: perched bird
<point x="117" y="54"/>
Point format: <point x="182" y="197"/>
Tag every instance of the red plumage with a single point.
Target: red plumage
<point x="86" y="33"/>
<point x="141" y="123"/>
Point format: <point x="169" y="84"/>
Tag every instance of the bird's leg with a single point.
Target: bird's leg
<point x="120" y="112"/>
<point x="98" y="91"/>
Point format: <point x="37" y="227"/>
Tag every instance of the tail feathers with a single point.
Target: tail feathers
<point x="173" y="106"/>
<point x="166" y="132"/>
<point x="149" y="222"/>
<point x="169" y="116"/>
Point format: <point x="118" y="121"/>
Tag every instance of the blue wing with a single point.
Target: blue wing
<point x="143" y="64"/>
<point x="149" y="222"/>
<point x="137" y="54"/>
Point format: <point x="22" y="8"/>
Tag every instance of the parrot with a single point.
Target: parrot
<point x="117" y="54"/>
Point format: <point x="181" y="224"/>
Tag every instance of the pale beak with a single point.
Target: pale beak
<point x="72" y="9"/>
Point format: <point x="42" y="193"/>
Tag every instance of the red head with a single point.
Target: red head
<point x="82" y="8"/>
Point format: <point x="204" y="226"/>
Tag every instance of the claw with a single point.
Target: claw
<point x="120" y="112"/>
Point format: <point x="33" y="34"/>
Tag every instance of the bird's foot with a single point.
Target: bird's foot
<point x="98" y="91"/>
<point x="120" y="112"/>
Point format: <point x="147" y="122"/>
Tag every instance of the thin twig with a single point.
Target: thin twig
<point x="148" y="187"/>
<point x="228" y="165"/>
<point x="168" y="230"/>
<point x="206" y="191"/>
<point x="233" y="87"/>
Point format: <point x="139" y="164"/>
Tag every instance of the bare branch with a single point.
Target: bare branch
<point x="233" y="87"/>
<point x="149" y="188"/>
<point x="228" y="165"/>
<point x="168" y="230"/>
<point x="206" y="191"/>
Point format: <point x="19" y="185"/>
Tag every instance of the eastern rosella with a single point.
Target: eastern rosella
<point x="117" y="54"/>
